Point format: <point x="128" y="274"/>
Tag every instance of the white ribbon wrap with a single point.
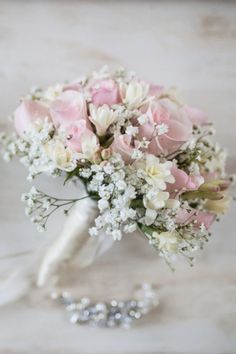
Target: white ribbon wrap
<point x="74" y="239"/>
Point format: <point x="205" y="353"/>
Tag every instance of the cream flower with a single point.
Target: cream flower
<point x="89" y="146"/>
<point x="153" y="201"/>
<point x="61" y="156"/>
<point x="217" y="163"/>
<point x="52" y="92"/>
<point x="167" y="241"/>
<point x="134" y="94"/>
<point x="102" y="117"/>
<point x="156" y="173"/>
<point x="220" y="206"/>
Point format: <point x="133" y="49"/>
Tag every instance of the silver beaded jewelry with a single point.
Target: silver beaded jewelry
<point x="109" y="314"/>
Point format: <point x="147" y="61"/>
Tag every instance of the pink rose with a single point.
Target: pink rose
<point x="122" y="145"/>
<point x="68" y="108"/>
<point x="156" y="90"/>
<point x="195" y="115"/>
<point x="104" y="92"/>
<point x="157" y="114"/>
<point x="27" y="113"/>
<point x="75" y="132"/>
<point x="74" y="86"/>
<point x="83" y="141"/>
<point x="183" y="182"/>
<point x="185" y="216"/>
<point x="174" y="124"/>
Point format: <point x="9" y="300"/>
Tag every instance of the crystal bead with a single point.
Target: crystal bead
<point x="108" y="314"/>
<point x="74" y="318"/>
<point x="85" y="301"/>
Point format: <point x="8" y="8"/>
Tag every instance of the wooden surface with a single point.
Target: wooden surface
<point x="188" y="44"/>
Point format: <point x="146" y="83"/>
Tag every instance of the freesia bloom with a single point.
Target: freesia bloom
<point x="61" y="156"/>
<point x="167" y="241"/>
<point x="155" y="172"/>
<point x="89" y="146"/>
<point x="178" y="127"/>
<point x="153" y="201"/>
<point x="27" y="114"/>
<point x="106" y="153"/>
<point x="52" y="92"/>
<point x="134" y="94"/>
<point x="102" y="117"/>
<point x="213" y="190"/>
<point x="220" y="206"/>
<point x="68" y="108"/>
<point x="104" y="92"/>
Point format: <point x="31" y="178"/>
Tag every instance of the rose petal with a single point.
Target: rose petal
<point x="27" y="113"/>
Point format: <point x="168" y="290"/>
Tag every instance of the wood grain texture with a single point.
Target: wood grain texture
<point x="188" y="44"/>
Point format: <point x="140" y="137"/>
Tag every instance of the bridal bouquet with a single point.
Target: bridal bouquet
<point x="146" y="159"/>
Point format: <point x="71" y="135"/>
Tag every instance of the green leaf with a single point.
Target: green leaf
<point x="94" y="196"/>
<point x="137" y="203"/>
<point x="202" y="195"/>
<point x="72" y="174"/>
<point x="147" y="230"/>
<point x="106" y="142"/>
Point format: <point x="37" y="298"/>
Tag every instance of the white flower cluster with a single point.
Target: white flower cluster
<point x="201" y="152"/>
<point x="32" y="148"/>
<point x="9" y="143"/>
<point x="130" y="195"/>
<point x="107" y="183"/>
<point x="176" y="241"/>
<point x="40" y="206"/>
<point x="40" y="150"/>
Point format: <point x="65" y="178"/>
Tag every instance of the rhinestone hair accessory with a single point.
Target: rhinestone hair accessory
<point x="109" y="314"/>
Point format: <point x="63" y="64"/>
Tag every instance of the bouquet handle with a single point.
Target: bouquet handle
<point x="73" y="240"/>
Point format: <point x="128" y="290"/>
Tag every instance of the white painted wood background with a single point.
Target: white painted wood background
<point x="190" y="44"/>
